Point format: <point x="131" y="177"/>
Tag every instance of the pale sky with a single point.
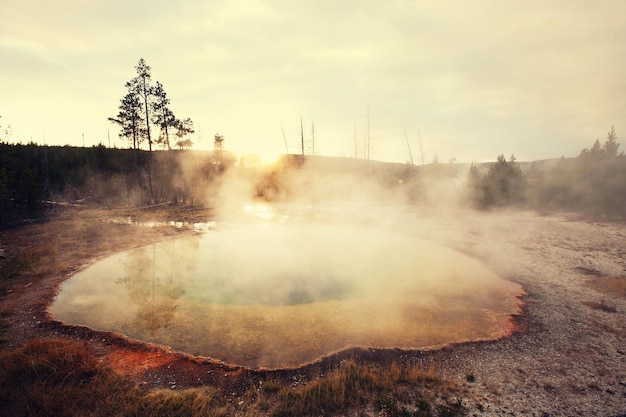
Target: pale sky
<point x="473" y="79"/>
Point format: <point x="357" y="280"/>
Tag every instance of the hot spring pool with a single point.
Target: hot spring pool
<point x="272" y="295"/>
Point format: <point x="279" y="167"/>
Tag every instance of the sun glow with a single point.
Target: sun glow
<point x="260" y="210"/>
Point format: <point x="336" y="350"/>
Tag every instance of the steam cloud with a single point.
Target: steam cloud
<point x="336" y="260"/>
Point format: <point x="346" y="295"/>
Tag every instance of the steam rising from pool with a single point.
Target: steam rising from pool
<point x="289" y="287"/>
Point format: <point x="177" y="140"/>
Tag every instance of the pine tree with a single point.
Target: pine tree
<point x="141" y="87"/>
<point x="611" y="145"/>
<point x="504" y="184"/>
<point x="129" y="119"/>
<point x="163" y="116"/>
<point x="183" y="130"/>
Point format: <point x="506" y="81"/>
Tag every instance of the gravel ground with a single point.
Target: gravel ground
<point x="567" y="358"/>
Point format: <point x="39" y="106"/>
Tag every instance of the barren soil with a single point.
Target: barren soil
<point x="567" y="356"/>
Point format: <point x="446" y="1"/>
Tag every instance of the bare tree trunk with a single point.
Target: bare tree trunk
<point x="408" y="144"/>
<point x="313" y="138"/>
<point x="285" y="139"/>
<point x="367" y="154"/>
<point x="301" y="136"/>
<point x="356" y="148"/>
<point x="421" y="149"/>
<point x="146" y="99"/>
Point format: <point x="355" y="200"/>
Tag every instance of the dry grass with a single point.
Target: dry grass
<point x="192" y="402"/>
<point x="343" y="388"/>
<point x="63" y="378"/>
<point x="59" y="378"/>
<point x="5" y="313"/>
<point x="392" y="389"/>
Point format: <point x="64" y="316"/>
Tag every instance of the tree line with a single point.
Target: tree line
<point x="592" y="183"/>
<point x="34" y="178"/>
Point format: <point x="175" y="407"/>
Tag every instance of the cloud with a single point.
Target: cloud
<point x="492" y="74"/>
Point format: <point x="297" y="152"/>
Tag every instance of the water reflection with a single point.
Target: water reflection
<point x="197" y="227"/>
<point x="155" y="277"/>
<point x="273" y="294"/>
<point x="136" y="292"/>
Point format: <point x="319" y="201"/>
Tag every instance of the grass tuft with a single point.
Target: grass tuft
<point x="342" y="388"/>
<point x="191" y="402"/>
<point x="57" y="378"/>
<point x="5" y="324"/>
<point x="391" y="389"/>
<point x="271" y="386"/>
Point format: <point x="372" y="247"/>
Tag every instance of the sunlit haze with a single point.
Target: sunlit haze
<point x="470" y="79"/>
<point x="293" y="284"/>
